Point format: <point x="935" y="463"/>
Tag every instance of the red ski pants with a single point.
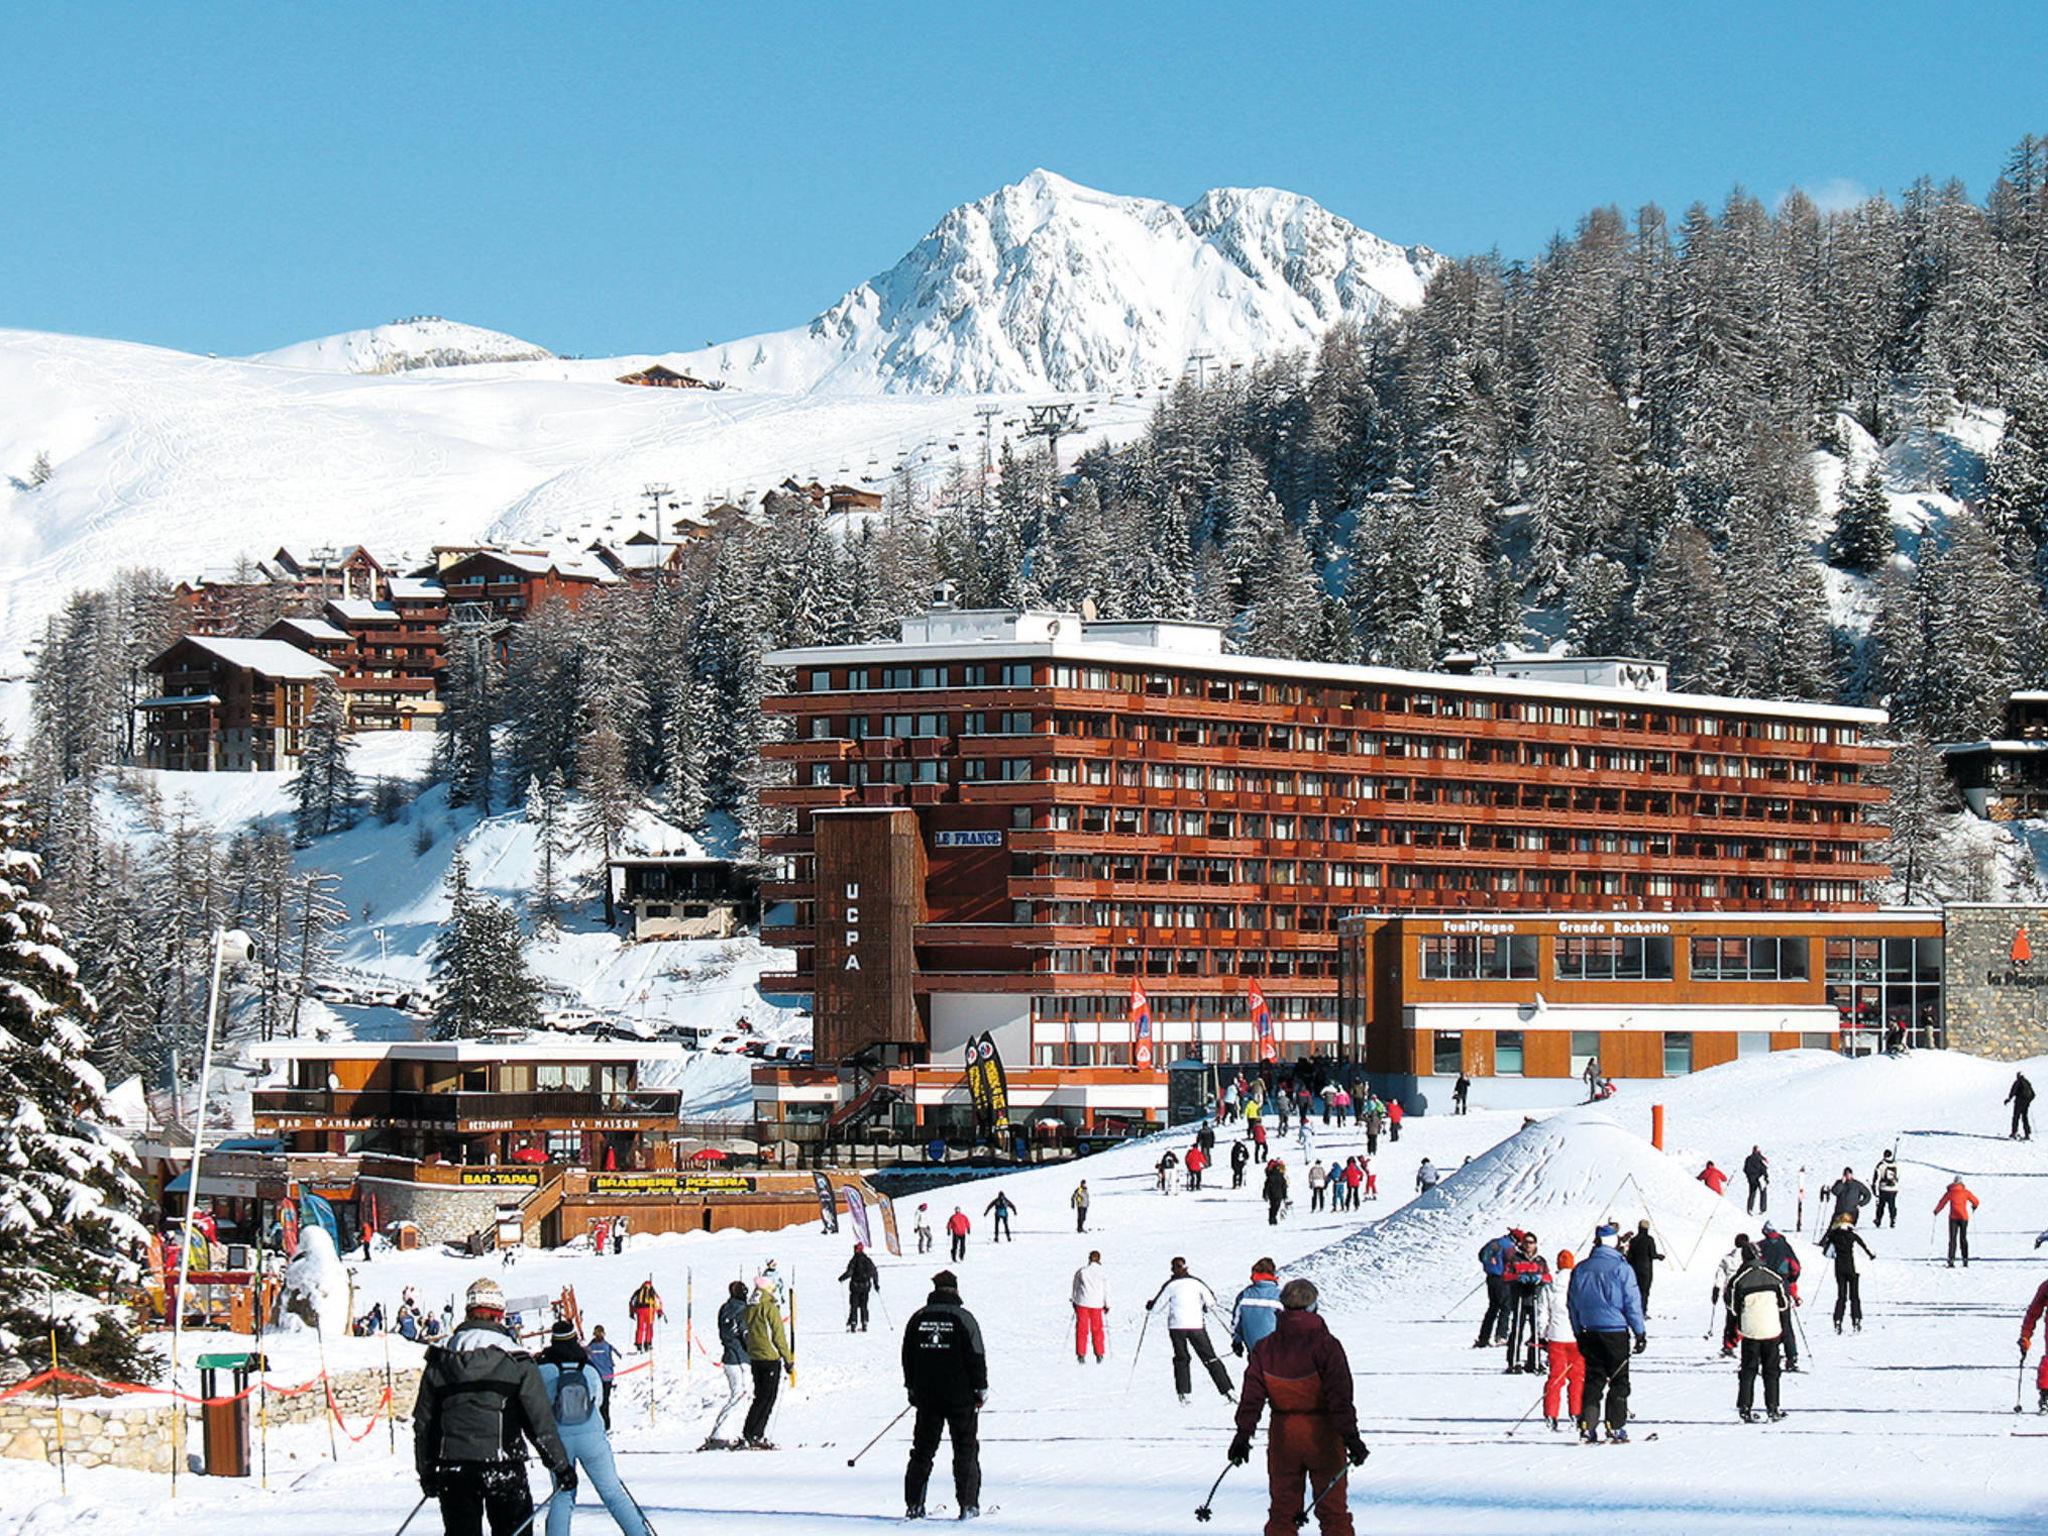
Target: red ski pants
<point x="1088" y="1331"/>
<point x="1567" y="1379"/>
<point x="643" y="1328"/>
<point x="1303" y="1457"/>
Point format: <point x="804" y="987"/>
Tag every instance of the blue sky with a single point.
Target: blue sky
<point x="642" y="176"/>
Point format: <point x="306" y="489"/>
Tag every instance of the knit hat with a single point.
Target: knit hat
<point x="1770" y="1230"/>
<point x="1606" y="1232"/>
<point x="1565" y="1259"/>
<point x="564" y="1332"/>
<point x="945" y="1280"/>
<point x="485" y="1295"/>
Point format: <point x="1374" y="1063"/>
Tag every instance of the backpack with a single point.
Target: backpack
<point x="572" y="1402"/>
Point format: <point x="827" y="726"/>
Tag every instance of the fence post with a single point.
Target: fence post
<point x="1657" y="1126"/>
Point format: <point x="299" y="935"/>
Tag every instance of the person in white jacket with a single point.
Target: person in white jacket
<point x="1188" y="1301"/>
<point x="1724" y="1273"/>
<point x="1567" y="1379"/>
<point x="1091" y="1305"/>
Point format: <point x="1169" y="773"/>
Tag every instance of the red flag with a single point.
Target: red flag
<point x="1262" y="1025"/>
<point x="1141" y="1027"/>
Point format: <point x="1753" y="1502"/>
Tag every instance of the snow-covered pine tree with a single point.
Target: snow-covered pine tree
<point x="464" y="752"/>
<point x="547" y="813"/>
<point x="480" y="966"/>
<point x="609" y="795"/>
<point x="1283" y="595"/>
<point x="1864" y="540"/>
<point x="325" y="790"/>
<point x="68" y="1196"/>
<point x="1982" y="621"/>
<point x="318" y="914"/>
<point x="1923" y="797"/>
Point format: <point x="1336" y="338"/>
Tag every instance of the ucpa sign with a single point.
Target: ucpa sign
<point x="850" y="917"/>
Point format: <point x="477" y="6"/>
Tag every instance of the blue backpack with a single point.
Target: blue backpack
<point x="572" y="1400"/>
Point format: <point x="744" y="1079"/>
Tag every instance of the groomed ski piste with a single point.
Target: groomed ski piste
<point x="1907" y="1426"/>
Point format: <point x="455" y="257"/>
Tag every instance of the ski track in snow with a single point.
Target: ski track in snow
<point x="1907" y="1426"/>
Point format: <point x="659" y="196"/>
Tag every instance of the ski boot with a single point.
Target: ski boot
<point x="1777" y="1414"/>
<point x="1617" y="1437"/>
<point x="1589" y="1434"/>
<point x="1746" y="1415"/>
<point x="914" y="1512"/>
<point x="970" y="1512"/>
<point x="2044" y="1402"/>
<point x="1838" y="1328"/>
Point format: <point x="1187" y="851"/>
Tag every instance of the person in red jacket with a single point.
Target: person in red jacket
<point x="957" y="1228"/>
<point x="1302" y="1370"/>
<point x="1394" y="1113"/>
<point x="2034" y="1310"/>
<point x="1194" y="1163"/>
<point x="1713" y="1177"/>
<point x="1958" y="1202"/>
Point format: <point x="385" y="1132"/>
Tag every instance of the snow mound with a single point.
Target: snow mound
<point x="1560" y="1178"/>
<point x="316" y="1284"/>
<point x="425" y="341"/>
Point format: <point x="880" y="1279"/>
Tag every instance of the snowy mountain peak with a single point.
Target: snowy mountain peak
<point x="425" y="341"/>
<point x="1047" y="284"/>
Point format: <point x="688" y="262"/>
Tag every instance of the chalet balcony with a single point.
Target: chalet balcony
<point x="660" y="1106"/>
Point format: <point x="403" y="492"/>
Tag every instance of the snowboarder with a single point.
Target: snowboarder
<point x="945" y="1372"/>
<point x="1188" y="1301"/>
<point x="1757" y="1169"/>
<point x="1526" y="1276"/>
<point x="768" y="1357"/>
<point x="1079" y="1201"/>
<point x="606" y="1358"/>
<point x="1643" y="1254"/>
<point x="1090" y="1297"/>
<point x="1240" y="1157"/>
<point x="574" y="1391"/>
<point x="1460" y="1091"/>
<point x="1302" y="1370"/>
<point x="1605" y="1309"/>
<point x="1850" y="1195"/>
<point x="732" y="1358"/>
<point x="1169" y="1161"/>
<point x="1775" y="1249"/>
<point x="1565" y="1383"/>
<point x="2021" y="1097"/>
<point x="1493" y="1265"/>
<point x="1275" y="1191"/>
<point x="1842" y="1241"/>
<point x="861" y="1277"/>
<point x="480" y="1395"/>
<point x="1959" y="1203"/>
<point x="1724" y="1276"/>
<point x="1001" y="1207"/>
<point x="2035" y="1308"/>
<point x="957" y="1228"/>
<point x="922" y="1226"/>
<point x="1256" y="1309"/>
<point x="1394" y="1115"/>
<point x="1426" y="1177"/>
<point x="1195" y="1162"/>
<point x="1318" y="1185"/>
<point x="645" y="1307"/>
<point x="1760" y="1311"/>
<point x="1885" y="1180"/>
<point x="1713" y="1177"/>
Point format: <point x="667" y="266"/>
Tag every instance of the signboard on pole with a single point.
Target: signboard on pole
<point x="1141" y="1027"/>
<point x="857" y="1213"/>
<point x="1262" y="1025"/>
<point x="827" y="1210"/>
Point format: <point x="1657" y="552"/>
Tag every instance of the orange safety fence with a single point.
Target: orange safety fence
<point x="42" y="1378"/>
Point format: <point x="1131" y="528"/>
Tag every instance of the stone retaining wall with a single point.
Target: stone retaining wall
<point x="1996" y="982"/>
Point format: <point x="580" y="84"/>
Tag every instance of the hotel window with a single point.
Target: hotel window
<point x="895" y="678"/>
<point x="975" y="676"/>
<point x="1677" y="1053"/>
<point x="929" y="677"/>
<point x="821" y="682"/>
<point x="1449" y="1053"/>
<point x="1749" y="959"/>
<point x="1613" y="959"/>
<point x="1490" y="957"/>
<point x="1017" y="676"/>
<point x="1507" y="1053"/>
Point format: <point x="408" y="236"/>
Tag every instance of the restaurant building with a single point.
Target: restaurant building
<point x="1008" y="822"/>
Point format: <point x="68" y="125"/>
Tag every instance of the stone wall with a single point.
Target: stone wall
<point x="444" y="1213"/>
<point x="1995" y="980"/>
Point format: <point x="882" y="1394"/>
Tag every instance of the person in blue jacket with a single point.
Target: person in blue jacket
<point x="606" y="1359"/>
<point x="1606" y="1306"/>
<point x="1493" y="1258"/>
<point x="1256" y="1312"/>
<point x="575" y="1390"/>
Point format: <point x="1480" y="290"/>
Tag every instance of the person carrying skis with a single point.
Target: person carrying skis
<point x="861" y="1277"/>
<point x="1493" y="1265"/>
<point x="2021" y="1097"/>
<point x="1194" y="1163"/>
<point x="1775" y="1249"/>
<point x="1303" y="1372"/>
<point x="574" y="1391"/>
<point x="732" y="1359"/>
<point x="2035" y="1309"/>
<point x="921" y="1225"/>
<point x="1165" y="1167"/>
<point x="1959" y="1203"/>
<point x="1426" y="1177"/>
<point x="1257" y="1307"/>
<point x="768" y="1357"/>
<point x="1090" y="1298"/>
<point x="645" y="1306"/>
<point x="1643" y="1254"/>
<point x="1002" y="1207"/>
<point x="1318" y="1185"/>
<point x="606" y="1359"/>
<point x="957" y="1228"/>
<point x="1526" y="1276"/>
<point x="1760" y="1312"/>
<point x="1713" y="1177"/>
<point x="1565" y="1383"/>
<point x="1605" y="1309"/>
<point x="1885" y="1180"/>
<point x="1724" y="1276"/>
<point x="945" y="1373"/>
<point x="1079" y="1201"/>
<point x="1275" y="1191"/>
<point x="1460" y="1091"/>
<point x="1240" y="1157"/>
<point x="1757" y="1169"/>
<point x="1850" y="1195"/>
<point x="1842" y="1241"/>
<point x="1188" y="1301"/>
<point x="480" y="1396"/>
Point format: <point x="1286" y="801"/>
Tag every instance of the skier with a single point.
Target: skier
<point x="1757" y="1169"/>
<point x="574" y="1391"/>
<point x="2035" y="1308"/>
<point x="1256" y="1309"/>
<point x="1394" y="1114"/>
<point x="957" y="1228"/>
<point x="769" y="1358"/>
<point x="1090" y="1298"/>
<point x="945" y="1372"/>
<point x="1850" y="1195"/>
<point x="1959" y="1203"/>
<point x="1188" y="1301"/>
<point x="1205" y="1138"/>
<point x="1302" y="1370"/>
<point x="1526" y="1276"/>
<point x="1843" y="1240"/>
<point x="1713" y="1177"/>
<point x="732" y="1359"/>
<point x="1643" y="1254"/>
<point x="1724" y="1276"/>
<point x="1341" y="1102"/>
<point x="1165" y="1168"/>
<point x="1775" y="1249"/>
<point x="1375" y="1115"/>
<point x="1079" y="1201"/>
<point x="1426" y="1177"/>
<point x="606" y="1359"/>
<point x="1370" y="1179"/>
<point x="2021" y="1097"/>
<point x="1565" y="1384"/>
<point x="1760" y="1310"/>
<point x="1275" y="1191"/>
<point x="860" y="1276"/>
<point x="1493" y="1265"/>
<point x="1194" y="1163"/>
<point x="1353" y="1178"/>
<point x="1885" y="1180"/>
<point x="1318" y="1185"/>
<point x="645" y="1307"/>
<point x="1001" y="1207"/>
<point x="1460" y="1090"/>
<point x="1259" y="1140"/>
<point x="1605" y="1309"/>
<point x="1230" y="1098"/>
<point x="619" y="1236"/>
<point x="922" y="1226"/>
<point x="480" y="1393"/>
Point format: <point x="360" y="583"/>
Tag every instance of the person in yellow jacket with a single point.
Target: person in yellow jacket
<point x="770" y="1356"/>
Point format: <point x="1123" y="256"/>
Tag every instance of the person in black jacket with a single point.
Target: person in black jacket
<point x="1842" y="1241"/>
<point x="1275" y="1191"/>
<point x="1643" y="1254"/>
<point x="732" y="1358"/>
<point x="2021" y="1097"/>
<point x="1002" y="1207"/>
<point x="1757" y="1169"/>
<point x="1777" y="1255"/>
<point x="861" y="1277"/>
<point x="1240" y="1155"/>
<point x="946" y="1374"/>
<point x="480" y="1397"/>
<point x="1850" y="1195"/>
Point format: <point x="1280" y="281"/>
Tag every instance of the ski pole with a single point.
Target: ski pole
<point x="1525" y="1417"/>
<point x="639" y="1509"/>
<point x="1463" y="1299"/>
<point x="2019" y="1387"/>
<point x="1202" y="1510"/>
<point x="423" y="1504"/>
<point x="856" y="1456"/>
<point x="1328" y="1488"/>
<point x="1138" y="1351"/>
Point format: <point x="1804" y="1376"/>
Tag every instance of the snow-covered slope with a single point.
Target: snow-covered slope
<point x="1049" y="285"/>
<point x="425" y="341"/>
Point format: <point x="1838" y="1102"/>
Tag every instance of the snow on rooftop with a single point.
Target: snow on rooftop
<point x="317" y="629"/>
<point x="416" y="587"/>
<point x="362" y="610"/>
<point x="271" y="658"/>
